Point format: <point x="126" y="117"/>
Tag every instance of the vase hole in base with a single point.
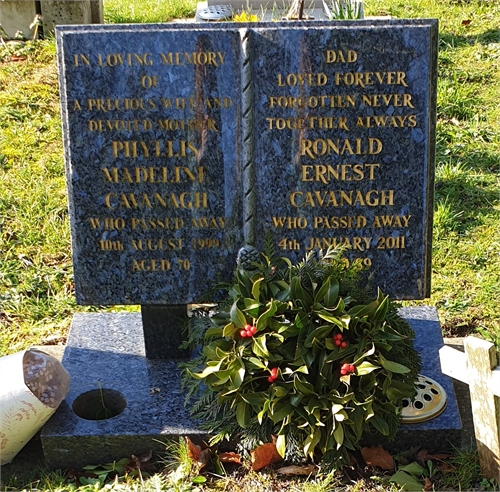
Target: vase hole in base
<point x="99" y="404"/>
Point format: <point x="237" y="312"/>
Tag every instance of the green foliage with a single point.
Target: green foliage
<point x="147" y="11"/>
<point x="320" y="369"/>
<point x="344" y="9"/>
<point x="103" y="472"/>
<point x="464" y="472"/>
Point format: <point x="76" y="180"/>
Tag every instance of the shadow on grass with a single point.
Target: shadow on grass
<point x="452" y="41"/>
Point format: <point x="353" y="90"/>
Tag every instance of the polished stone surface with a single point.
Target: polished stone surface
<point x="320" y="132"/>
<point x="151" y="150"/>
<point x="107" y="350"/>
<point x="344" y="152"/>
<point x="445" y="430"/>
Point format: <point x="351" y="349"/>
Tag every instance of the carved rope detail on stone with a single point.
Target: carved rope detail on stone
<point x="248" y="141"/>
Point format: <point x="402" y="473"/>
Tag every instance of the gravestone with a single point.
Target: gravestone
<point x="18" y="15"/>
<point x="184" y="143"/>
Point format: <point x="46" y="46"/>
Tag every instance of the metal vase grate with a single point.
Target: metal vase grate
<point x="216" y="12"/>
<point x="428" y="403"/>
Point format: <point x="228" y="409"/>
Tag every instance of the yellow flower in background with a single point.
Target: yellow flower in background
<point x="245" y="17"/>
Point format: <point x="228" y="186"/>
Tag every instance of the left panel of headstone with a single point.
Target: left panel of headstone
<point x="151" y="150"/>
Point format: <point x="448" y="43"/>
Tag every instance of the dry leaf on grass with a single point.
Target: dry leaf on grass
<point x="447" y="468"/>
<point x="423" y="456"/>
<point x="230" y="458"/>
<point x="427" y="484"/>
<point x="378" y="456"/>
<point x="264" y="455"/>
<point x="298" y="470"/>
<point x="16" y="58"/>
<point x="193" y="449"/>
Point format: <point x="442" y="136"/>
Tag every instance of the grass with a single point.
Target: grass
<point x="144" y="11"/>
<point x="36" y="283"/>
<point x="177" y="472"/>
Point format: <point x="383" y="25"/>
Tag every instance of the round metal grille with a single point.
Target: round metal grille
<point x="216" y="12"/>
<point x="428" y="403"/>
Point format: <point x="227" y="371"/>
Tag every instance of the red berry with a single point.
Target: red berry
<point x="352" y="368"/>
<point x="253" y="329"/>
<point x="343" y="345"/>
<point x="337" y="343"/>
<point x="249" y="333"/>
<point x="270" y="379"/>
<point x="243" y="333"/>
<point x="247" y="327"/>
<point x="338" y="336"/>
<point x="274" y="372"/>
<point x="343" y="372"/>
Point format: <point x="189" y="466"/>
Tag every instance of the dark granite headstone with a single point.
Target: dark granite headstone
<point x="184" y="144"/>
<point x="152" y="156"/>
<point x="344" y="152"/>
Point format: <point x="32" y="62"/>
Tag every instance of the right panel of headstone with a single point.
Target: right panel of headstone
<point x="344" y="145"/>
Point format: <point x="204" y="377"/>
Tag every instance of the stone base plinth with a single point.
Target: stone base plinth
<point x="106" y="360"/>
<point x="105" y="352"/>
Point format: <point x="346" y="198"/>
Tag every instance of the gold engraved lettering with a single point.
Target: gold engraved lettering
<point x="364" y="79"/>
<point x="108" y="104"/>
<point x="378" y="100"/>
<point x="359" y="243"/>
<point x="160" y="175"/>
<point x="341" y="56"/>
<point x="185" y="200"/>
<point x="391" y="220"/>
<point x="108" y="223"/>
<point x="344" y="222"/>
<point x="77" y="58"/>
<point x="151" y="265"/>
<point x="208" y="222"/>
<point x="109" y="245"/>
<point x="341" y="198"/>
<point x="161" y="244"/>
<point x="194" y="103"/>
<point x="339" y="172"/>
<point x="391" y="242"/>
<point x="289" y="222"/>
<point x="188" y="125"/>
<point x="311" y="79"/>
<point x="213" y="103"/>
<point x="409" y="121"/>
<point x="324" y="123"/>
<point x="124" y="59"/>
<point x="156" y="223"/>
<point x="360" y="146"/>
<point x="214" y="58"/>
<point x="76" y="106"/>
<point x="291" y="244"/>
<point x="177" y="103"/>
<point x="120" y="125"/>
<point x="324" y="101"/>
<point x="152" y="148"/>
